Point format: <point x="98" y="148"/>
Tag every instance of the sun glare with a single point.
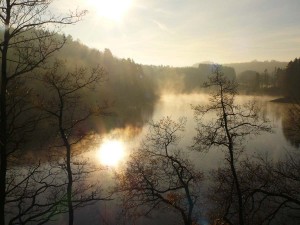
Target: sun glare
<point x="111" y="9"/>
<point x="111" y="152"/>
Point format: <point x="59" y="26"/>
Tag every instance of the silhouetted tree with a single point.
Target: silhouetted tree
<point x="280" y="79"/>
<point x="158" y="175"/>
<point x="34" y="194"/>
<point x="26" y="44"/>
<point x="272" y="187"/>
<point x="293" y="78"/>
<point x="66" y="111"/>
<point x="227" y="129"/>
<point x="266" y="79"/>
<point x="249" y="80"/>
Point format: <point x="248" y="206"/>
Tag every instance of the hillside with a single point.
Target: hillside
<point x="257" y="66"/>
<point x="183" y="79"/>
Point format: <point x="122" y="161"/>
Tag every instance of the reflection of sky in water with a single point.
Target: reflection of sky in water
<point x="275" y="143"/>
<point x="176" y="106"/>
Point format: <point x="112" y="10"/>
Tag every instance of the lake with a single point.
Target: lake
<point x="275" y="144"/>
<point x="176" y="106"/>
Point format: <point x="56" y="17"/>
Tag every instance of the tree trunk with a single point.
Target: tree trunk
<point x="237" y="185"/>
<point x="3" y="147"/>
<point x="233" y="170"/>
<point x="3" y="121"/>
<point x="69" y="169"/>
<point x="70" y="185"/>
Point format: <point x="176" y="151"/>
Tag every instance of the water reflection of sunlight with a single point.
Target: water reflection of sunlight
<point x="111" y="152"/>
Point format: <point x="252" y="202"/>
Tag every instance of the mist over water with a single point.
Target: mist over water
<point x="175" y="106"/>
<point x="142" y="142"/>
<point x="274" y="144"/>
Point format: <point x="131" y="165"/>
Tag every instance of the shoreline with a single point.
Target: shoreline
<point x="285" y="100"/>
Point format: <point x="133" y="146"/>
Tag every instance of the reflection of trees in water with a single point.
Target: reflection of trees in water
<point x="291" y="124"/>
<point x="134" y="115"/>
<point x="289" y="115"/>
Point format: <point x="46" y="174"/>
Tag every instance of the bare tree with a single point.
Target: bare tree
<point x="34" y="194"/>
<point x="67" y="111"/>
<point x="270" y="190"/>
<point x="29" y="185"/>
<point x="158" y="175"/>
<point x="229" y="126"/>
<point x="272" y="187"/>
<point x="26" y="44"/>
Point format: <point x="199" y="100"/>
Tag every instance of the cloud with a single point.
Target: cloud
<point x="161" y="26"/>
<point x="184" y="32"/>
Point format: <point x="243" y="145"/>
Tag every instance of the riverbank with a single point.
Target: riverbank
<point x="286" y="100"/>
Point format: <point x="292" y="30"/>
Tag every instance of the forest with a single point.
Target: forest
<point x="59" y="98"/>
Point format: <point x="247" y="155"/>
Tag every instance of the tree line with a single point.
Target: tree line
<point x="43" y="94"/>
<point x="183" y="79"/>
<point x="244" y="189"/>
<point x="280" y="81"/>
<point x="32" y="192"/>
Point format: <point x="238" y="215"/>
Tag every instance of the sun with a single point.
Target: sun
<point x="111" y="152"/>
<point x="111" y="9"/>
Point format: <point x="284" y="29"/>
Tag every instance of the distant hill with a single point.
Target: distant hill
<point x="258" y="66"/>
<point x="183" y="79"/>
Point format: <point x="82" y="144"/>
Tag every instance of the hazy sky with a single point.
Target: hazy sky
<point x="183" y="32"/>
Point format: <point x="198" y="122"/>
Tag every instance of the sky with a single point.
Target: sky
<point x="185" y="32"/>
